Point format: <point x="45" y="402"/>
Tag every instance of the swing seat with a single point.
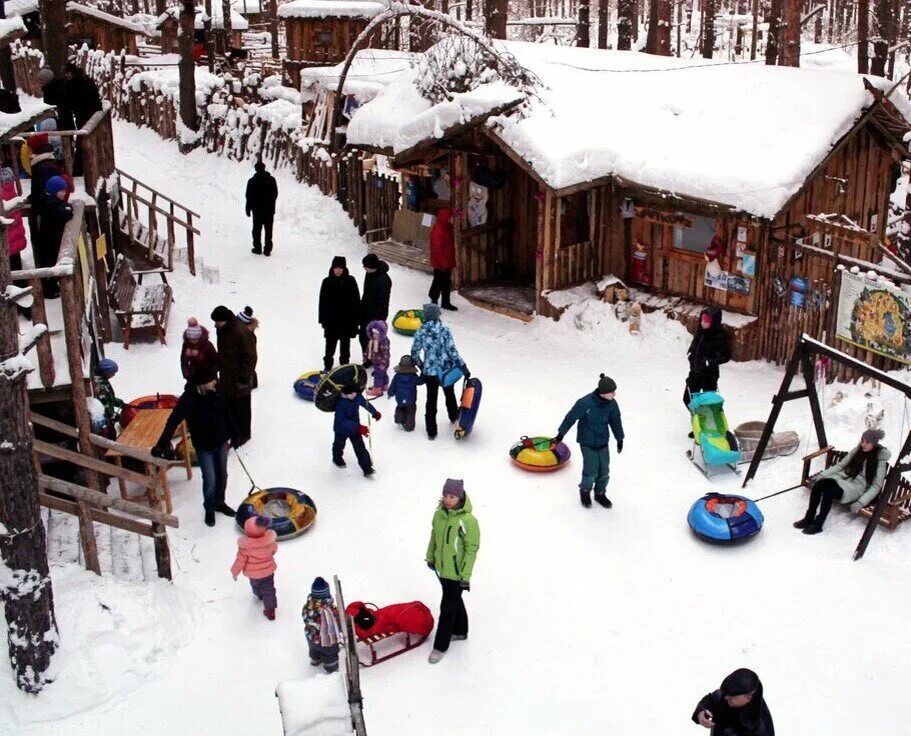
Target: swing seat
<point x="711" y="433"/>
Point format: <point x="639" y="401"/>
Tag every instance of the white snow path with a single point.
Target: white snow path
<point x="581" y="621"/>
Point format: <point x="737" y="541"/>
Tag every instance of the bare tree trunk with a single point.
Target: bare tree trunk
<point x="273" y="27"/>
<point x="863" y="33"/>
<point x="495" y="18"/>
<point x="226" y="24"/>
<point x="883" y="28"/>
<point x="708" y="28"/>
<point x="603" y="20"/>
<point x="659" y="28"/>
<point x="53" y="34"/>
<point x="28" y="598"/>
<point x="187" y="71"/>
<point x="774" y="33"/>
<point x="626" y="20"/>
<point x="7" y="77"/>
<point x="755" y="30"/>
<point x="583" y="30"/>
<point x="789" y="35"/>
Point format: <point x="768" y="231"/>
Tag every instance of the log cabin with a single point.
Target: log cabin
<point x="100" y="30"/>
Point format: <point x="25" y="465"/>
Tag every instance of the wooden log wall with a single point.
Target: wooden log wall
<point x="321" y="42"/>
<point x="105" y="36"/>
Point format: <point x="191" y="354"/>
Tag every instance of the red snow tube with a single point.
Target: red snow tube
<point x="158" y="401"/>
<point x="410" y="618"/>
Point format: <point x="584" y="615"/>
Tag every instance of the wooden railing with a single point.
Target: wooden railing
<point x="144" y="210"/>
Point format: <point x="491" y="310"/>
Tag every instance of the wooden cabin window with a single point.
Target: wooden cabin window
<point x="695" y="239"/>
<point x="574" y="219"/>
<point x="324" y="38"/>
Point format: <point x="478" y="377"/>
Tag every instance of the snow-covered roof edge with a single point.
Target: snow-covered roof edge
<point x="16" y="122"/>
<point x="303" y="9"/>
<point x="10" y="30"/>
<point x="114" y="20"/>
<point x="238" y="22"/>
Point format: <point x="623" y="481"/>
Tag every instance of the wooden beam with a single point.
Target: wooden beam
<point x="517" y="159"/>
<point x="859" y="262"/>
<point x="102" y="517"/>
<point x="90" y="463"/>
<point x="104" y="501"/>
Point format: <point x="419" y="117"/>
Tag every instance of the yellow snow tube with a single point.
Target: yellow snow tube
<point x="408" y="321"/>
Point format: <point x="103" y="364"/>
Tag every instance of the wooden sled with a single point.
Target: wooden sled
<point x="411" y="642"/>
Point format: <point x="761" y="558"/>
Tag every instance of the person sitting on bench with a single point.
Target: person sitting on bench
<point x="855" y="480"/>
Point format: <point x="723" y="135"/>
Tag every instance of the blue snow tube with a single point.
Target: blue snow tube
<point x="724" y="519"/>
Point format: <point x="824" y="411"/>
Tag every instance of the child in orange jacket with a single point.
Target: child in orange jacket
<point x="256" y="559"/>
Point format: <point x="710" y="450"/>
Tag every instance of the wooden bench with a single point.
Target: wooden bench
<point x="139" y="306"/>
<point x="147" y="249"/>
<point x="897" y="510"/>
<point x="407" y="242"/>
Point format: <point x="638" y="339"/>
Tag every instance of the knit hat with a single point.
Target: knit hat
<point x="203" y="376"/>
<point x="222" y="314"/>
<point x="873" y="436"/>
<point x="54" y="185"/>
<point x="606" y="385"/>
<point x="406" y="365"/>
<point x="245" y="315"/>
<point x="193" y="331"/>
<point x="454" y="487"/>
<point x="339" y="262"/>
<point x="371" y="260"/>
<point x="107" y="367"/>
<point x="39" y="143"/>
<point x="431" y="312"/>
<point x="256" y="526"/>
<point x="320" y="589"/>
<point x="44" y="75"/>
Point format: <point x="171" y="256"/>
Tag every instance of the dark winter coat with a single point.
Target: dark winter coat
<point x="597" y="417"/>
<point x="262" y="191"/>
<point x="442" y="242"/>
<point x="375" y="300"/>
<point x="80" y="96"/>
<point x="347" y="418"/>
<point x="754" y="719"/>
<point x="201" y="354"/>
<point x="207" y="418"/>
<point x="236" y="359"/>
<point x="52" y="218"/>
<point x="54" y="93"/>
<point x="710" y="348"/>
<point x="404" y="388"/>
<point x="43" y="168"/>
<point x="339" y="305"/>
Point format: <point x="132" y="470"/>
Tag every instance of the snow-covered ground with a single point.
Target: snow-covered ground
<point x="582" y="621"/>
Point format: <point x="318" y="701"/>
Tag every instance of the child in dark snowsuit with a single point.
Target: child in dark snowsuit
<point x="378" y="355"/>
<point x="347" y="426"/>
<point x="404" y="389"/>
<point x="321" y="623"/>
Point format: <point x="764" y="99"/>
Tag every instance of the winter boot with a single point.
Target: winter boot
<point x="256" y="250"/>
<point x="269" y="613"/>
<point x="339" y="462"/>
<point x="375" y="392"/>
<point x="435" y="656"/>
<point x="210" y="518"/>
<point x="327" y="363"/>
<point x="315" y="662"/>
<point x="603" y="500"/>
<point x="814" y="527"/>
<point x="459" y="637"/>
<point x="585" y="497"/>
<point x="450" y="307"/>
<point x="223" y="508"/>
<point x="369" y="471"/>
<point x="267" y="251"/>
<point x="804" y="522"/>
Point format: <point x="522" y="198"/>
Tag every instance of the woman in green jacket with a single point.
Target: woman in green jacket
<point x="855" y="480"/>
<point x="454" y="542"/>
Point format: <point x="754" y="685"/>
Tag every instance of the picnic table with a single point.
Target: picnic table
<point x="142" y="433"/>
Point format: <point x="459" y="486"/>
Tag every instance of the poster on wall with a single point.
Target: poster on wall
<point x="874" y="316"/>
<point x="739" y="284"/>
<point x="748" y="264"/>
<point x="717" y="280"/>
<point x="742" y="234"/>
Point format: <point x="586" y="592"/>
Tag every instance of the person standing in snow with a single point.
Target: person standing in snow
<point x="709" y="349"/>
<point x="347" y="426"/>
<point x="256" y="559"/>
<point x="434" y="339"/>
<point x="198" y="352"/>
<point x="262" y="191"/>
<point x="378" y="355"/>
<point x="236" y="367"/>
<point x="598" y="415"/>
<point x="339" y="310"/>
<point x="442" y="258"/>
<point x="251" y="324"/>
<point x="321" y="625"/>
<point x="53" y="214"/>
<point x="855" y="480"/>
<point x="404" y="389"/>
<point x="211" y="427"/>
<point x="104" y="392"/>
<point x="375" y="298"/>
<point x="451" y="554"/>
<point x="737" y="708"/>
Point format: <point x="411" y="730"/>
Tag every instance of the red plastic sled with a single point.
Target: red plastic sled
<point x="409" y="624"/>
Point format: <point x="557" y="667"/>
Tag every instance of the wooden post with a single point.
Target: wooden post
<point x="28" y="599"/>
<point x="626" y="21"/>
<point x="273" y="27"/>
<point x="772" y="35"/>
<point x="583" y="29"/>
<point x="54" y="34"/>
<point x="789" y="35"/>
<point x="754" y="33"/>
<point x="708" y="28"/>
<point x="43" y="348"/>
<point x="191" y="245"/>
<point x="603" y="22"/>
<point x="863" y="35"/>
<point x="162" y="551"/>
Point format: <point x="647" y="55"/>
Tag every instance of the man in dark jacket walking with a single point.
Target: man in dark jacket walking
<point x="709" y="349"/>
<point x="598" y="415"/>
<point x="210" y="425"/>
<point x="339" y="311"/>
<point x="80" y="95"/>
<point x="236" y="366"/>
<point x="262" y="191"/>
<point x="375" y="299"/>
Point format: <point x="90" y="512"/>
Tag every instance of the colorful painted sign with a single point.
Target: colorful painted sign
<point x="875" y="316"/>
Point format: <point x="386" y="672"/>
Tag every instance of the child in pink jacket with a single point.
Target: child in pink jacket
<point x="256" y="559"/>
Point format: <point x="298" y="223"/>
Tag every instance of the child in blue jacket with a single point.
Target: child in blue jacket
<point x="347" y="426"/>
<point x="404" y="389"/>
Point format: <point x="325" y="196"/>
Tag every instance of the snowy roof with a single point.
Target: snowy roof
<point x="32" y="109"/>
<point x="248" y="6"/>
<point x="88" y="10"/>
<point x="238" y="22"/>
<point x="371" y="71"/>
<point x="16" y="8"/>
<point x="10" y="30"/>
<point x="330" y="9"/>
<point x="743" y="135"/>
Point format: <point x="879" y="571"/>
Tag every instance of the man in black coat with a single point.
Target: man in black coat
<point x="709" y="349"/>
<point x="339" y="311"/>
<point x="80" y="95"/>
<point x="375" y="298"/>
<point x="262" y="191"/>
<point x="210" y="425"/>
<point x="236" y="368"/>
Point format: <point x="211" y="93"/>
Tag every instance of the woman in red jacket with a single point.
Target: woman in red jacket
<point x="442" y="258"/>
<point x="15" y="233"/>
<point x="198" y="351"/>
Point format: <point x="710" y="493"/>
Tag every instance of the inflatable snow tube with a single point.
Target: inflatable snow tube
<point x="306" y="384"/>
<point x="331" y="384"/>
<point x="158" y="401"/>
<point x="408" y="321"/>
<point x="724" y="519"/>
<point x="468" y="407"/>
<point x="290" y="512"/>
<point x="539" y="454"/>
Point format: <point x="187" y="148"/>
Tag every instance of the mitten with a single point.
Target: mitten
<point x="558" y="437"/>
<point x="620" y="446"/>
<point x="431" y="565"/>
<point x="363" y="430"/>
<point x="855" y="507"/>
<point x="378" y="416"/>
